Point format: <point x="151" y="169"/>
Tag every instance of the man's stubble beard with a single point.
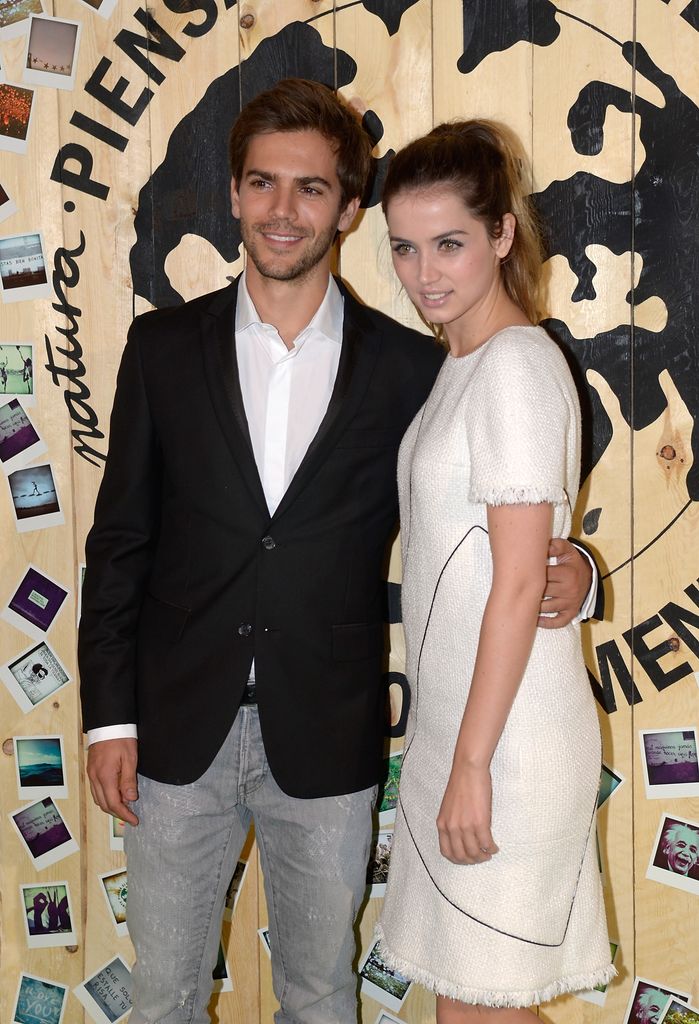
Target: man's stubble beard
<point x="297" y="271"/>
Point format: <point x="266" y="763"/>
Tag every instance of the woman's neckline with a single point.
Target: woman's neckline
<point x="472" y="352"/>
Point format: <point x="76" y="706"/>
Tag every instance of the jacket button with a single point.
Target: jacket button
<point x="268" y="543"/>
<point x="244" y="629"/>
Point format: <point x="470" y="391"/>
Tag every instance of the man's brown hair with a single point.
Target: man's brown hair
<point x="298" y="105"/>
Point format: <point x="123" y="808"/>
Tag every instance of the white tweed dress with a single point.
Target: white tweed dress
<point x="502" y="425"/>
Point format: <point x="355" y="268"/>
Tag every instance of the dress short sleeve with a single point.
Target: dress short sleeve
<point x="523" y="422"/>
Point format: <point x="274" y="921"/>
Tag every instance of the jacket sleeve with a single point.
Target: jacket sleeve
<point x="598" y="610"/>
<point x="119" y="550"/>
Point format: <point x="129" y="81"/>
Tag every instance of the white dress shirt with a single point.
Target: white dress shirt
<point x="286" y="392"/>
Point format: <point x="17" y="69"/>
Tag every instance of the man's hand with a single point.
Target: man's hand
<point x="111" y="769"/>
<point x="567" y="584"/>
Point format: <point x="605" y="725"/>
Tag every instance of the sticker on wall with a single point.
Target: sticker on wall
<point x="7" y="204"/>
<point x="381" y="982"/>
<point x="32" y="992"/>
<point x="35" y="603"/>
<point x="221" y="973"/>
<point x="263" y="934"/>
<point x="43" y="832"/>
<point x="234" y="888"/>
<point x="17" y="372"/>
<point x="387" y="1018"/>
<point x="19" y="438"/>
<point x="106" y="994"/>
<point x="114" y="885"/>
<point x="674" y="860"/>
<point x="23" y="272"/>
<point x="598" y="994"/>
<point x="40" y="767"/>
<point x="669" y="758"/>
<point x="14" y="16"/>
<point x="647" y="1001"/>
<point x="116" y="833"/>
<point x="34" y="676"/>
<point x="677" y="1012"/>
<point x="609" y="783"/>
<point x="51" y="56"/>
<point x="48" y="915"/>
<point x="35" y="498"/>
<point x="105" y="8"/>
<point x="389" y="793"/>
<point x="377" y="871"/>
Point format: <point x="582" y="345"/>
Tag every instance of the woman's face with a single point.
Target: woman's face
<point x="445" y="259"/>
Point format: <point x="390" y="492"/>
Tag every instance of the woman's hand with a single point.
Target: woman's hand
<point x="463" y="821"/>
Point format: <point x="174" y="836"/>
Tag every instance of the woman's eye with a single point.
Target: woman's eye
<point x="449" y="244"/>
<point x="402" y="248"/>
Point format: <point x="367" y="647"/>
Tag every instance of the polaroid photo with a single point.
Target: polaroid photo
<point x="115" y="887"/>
<point x="116" y="833"/>
<point x="39" y="1001"/>
<point x="674" y="859"/>
<point x="34" y="677"/>
<point x="677" y="1012"/>
<point x="609" y="783"/>
<point x="105" y="8"/>
<point x="669" y="758"/>
<point x="51" y="56"/>
<point x="7" y="205"/>
<point x="35" y="603"/>
<point x="14" y="16"/>
<point x="221" y="974"/>
<point x="48" y="916"/>
<point x="43" y="831"/>
<point x="387" y="1018"/>
<point x="647" y="1001"/>
<point x="381" y="982"/>
<point x="35" y="498"/>
<point x="377" y="871"/>
<point x="17" y="105"/>
<point x="598" y="994"/>
<point x="40" y="766"/>
<point x="264" y="939"/>
<point x="389" y="793"/>
<point x="19" y="438"/>
<point x="106" y="994"/>
<point x="17" y="371"/>
<point x="23" y="273"/>
<point x="233" y="891"/>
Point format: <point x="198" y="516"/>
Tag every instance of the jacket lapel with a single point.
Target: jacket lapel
<point x="360" y="348"/>
<point x="221" y="367"/>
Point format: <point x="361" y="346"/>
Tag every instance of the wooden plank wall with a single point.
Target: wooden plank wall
<point x="606" y="100"/>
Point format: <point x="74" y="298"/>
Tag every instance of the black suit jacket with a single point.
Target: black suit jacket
<point x="188" y="577"/>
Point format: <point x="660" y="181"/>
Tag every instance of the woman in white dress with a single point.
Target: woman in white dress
<point x="494" y="898"/>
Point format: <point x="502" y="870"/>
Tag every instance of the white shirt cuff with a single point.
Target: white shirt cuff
<point x="588" y="605"/>
<point x="112" y="732"/>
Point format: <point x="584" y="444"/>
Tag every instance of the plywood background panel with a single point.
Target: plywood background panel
<point x="605" y="98"/>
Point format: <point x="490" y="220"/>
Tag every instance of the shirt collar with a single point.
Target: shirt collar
<point x="327" y="319"/>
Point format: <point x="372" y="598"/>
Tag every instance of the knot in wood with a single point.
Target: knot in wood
<point x="247" y="21"/>
<point x="667" y="452"/>
<point x="8" y="747"/>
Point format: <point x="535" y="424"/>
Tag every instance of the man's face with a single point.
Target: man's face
<point x="681" y="848"/>
<point x="649" y="1005"/>
<point x="288" y="203"/>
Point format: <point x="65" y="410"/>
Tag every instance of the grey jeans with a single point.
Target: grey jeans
<point x="180" y="859"/>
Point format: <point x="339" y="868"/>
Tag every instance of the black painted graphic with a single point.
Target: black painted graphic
<point x="188" y="193"/>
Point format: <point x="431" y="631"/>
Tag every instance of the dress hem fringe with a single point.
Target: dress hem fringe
<point x="483" y="997"/>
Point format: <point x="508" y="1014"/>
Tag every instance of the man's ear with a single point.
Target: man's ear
<point x="235" y="199"/>
<point x="348" y="214"/>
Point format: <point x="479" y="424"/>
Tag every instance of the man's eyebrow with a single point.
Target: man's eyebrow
<point x="308" y="179"/>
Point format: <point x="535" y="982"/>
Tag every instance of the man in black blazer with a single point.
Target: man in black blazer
<point x="231" y="633"/>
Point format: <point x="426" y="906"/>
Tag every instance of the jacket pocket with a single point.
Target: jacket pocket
<point x="357" y="640"/>
<point x="161" y="620"/>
